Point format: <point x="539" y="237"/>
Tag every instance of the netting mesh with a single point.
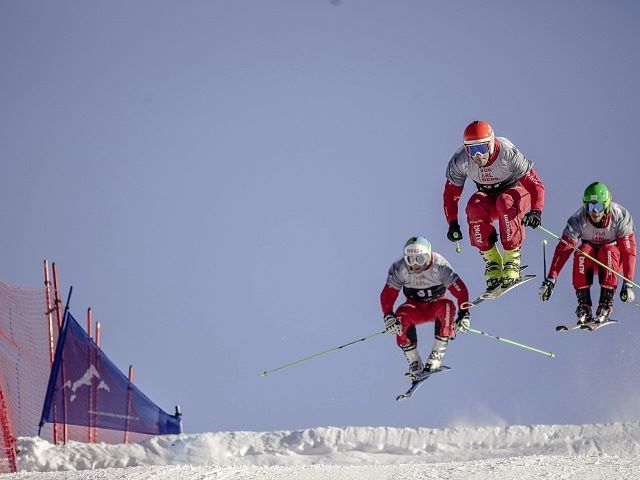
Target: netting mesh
<point x="25" y="364"/>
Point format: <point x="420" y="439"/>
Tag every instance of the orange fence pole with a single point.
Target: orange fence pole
<point x="7" y="433"/>
<point x="90" y="360"/>
<point x="95" y="429"/>
<point x="58" y="303"/>
<point x="52" y="347"/>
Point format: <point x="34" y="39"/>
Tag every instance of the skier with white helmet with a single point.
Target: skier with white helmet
<point x="424" y="277"/>
<point x="605" y="230"/>
<point x="509" y="191"/>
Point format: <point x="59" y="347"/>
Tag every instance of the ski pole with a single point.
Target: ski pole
<point x="458" y="248"/>
<point x="511" y="342"/>
<point x="326" y="352"/>
<point x="577" y="250"/>
<point x="544" y="256"/>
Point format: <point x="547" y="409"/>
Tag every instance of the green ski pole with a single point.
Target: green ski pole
<point x="317" y="355"/>
<point x="511" y="342"/>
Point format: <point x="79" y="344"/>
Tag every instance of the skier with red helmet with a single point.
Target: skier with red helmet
<point x="605" y="232"/>
<point x="424" y="277"/>
<point x="509" y="191"/>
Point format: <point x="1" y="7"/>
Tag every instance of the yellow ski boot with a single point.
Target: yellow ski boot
<point x="493" y="267"/>
<point x="511" y="268"/>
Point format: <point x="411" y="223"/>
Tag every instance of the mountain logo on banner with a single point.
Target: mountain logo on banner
<point x="85" y="380"/>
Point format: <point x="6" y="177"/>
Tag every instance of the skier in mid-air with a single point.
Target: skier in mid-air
<point x="424" y="277"/>
<point x="607" y="234"/>
<point x="509" y="191"/>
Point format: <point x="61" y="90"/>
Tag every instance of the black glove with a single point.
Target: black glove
<point x="546" y="289"/>
<point x="532" y="219"/>
<point x="626" y="293"/>
<point x="463" y="322"/>
<point x="454" y="234"/>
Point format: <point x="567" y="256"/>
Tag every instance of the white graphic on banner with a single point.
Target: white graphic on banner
<point x="86" y="381"/>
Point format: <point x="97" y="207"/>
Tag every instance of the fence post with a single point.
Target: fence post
<point x="126" y="421"/>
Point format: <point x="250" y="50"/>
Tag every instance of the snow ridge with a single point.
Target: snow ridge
<point x="338" y="446"/>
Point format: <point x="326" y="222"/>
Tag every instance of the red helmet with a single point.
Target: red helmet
<point x="478" y="132"/>
<point x="479" y="142"/>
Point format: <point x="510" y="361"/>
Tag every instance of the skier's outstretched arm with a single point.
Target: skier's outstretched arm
<point x="627" y="247"/>
<point x="532" y="183"/>
<point x="459" y="290"/>
<point x="560" y="256"/>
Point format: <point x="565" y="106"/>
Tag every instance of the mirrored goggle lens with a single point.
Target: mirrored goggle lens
<point x="412" y="260"/>
<point x="478" y="149"/>
<point x="595" y="207"/>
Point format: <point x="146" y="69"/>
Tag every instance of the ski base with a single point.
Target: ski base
<point x="589" y="326"/>
<point x="496" y="292"/>
<point x="416" y="384"/>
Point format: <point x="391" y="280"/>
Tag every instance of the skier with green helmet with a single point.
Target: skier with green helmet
<point x="605" y="232"/>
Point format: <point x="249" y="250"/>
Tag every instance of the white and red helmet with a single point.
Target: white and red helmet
<point x="417" y="253"/>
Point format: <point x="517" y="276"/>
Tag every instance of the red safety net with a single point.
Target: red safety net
<point x="25" y="365"/>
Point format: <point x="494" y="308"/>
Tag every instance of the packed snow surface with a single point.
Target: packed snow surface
<point x="524" y="452"/>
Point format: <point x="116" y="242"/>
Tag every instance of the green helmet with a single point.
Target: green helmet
<point x="597" y="192"/>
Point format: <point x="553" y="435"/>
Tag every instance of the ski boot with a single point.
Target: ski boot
<point x="583" y="312"/>
<point x="511" y="268"/>
<point x="605" y="305"/>
<point x="415" y="362"/>
<point x="434" y="362"/>
<point x="493" y="267"/>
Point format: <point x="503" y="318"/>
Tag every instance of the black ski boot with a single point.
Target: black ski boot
<point x="605" y="305"/>
<point x="583" y="312"/>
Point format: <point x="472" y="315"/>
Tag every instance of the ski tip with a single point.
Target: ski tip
<point x="561" y="328"/>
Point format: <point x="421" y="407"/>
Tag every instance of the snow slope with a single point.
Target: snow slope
<point x="524" y="452"/>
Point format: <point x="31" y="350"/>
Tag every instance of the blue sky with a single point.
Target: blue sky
<point x="226" y="184"/>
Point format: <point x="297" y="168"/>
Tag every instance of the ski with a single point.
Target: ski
<point x="593" y="326"/>
<point x="567" y="328"/>
<point x="496" y="292"/>
<point x="589" y="326"/>
<point x="416" y="384"/>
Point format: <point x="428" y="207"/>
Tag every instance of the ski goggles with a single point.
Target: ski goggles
<point x="477" y="149"/>
<point x="419" y="260"/>
<point x="594" y="207"/>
